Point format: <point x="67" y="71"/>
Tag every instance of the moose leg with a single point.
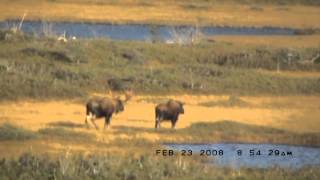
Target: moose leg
<point x="88" y="116"/>
<point x="86" y="121"/>
<point x="157" y="125"/>
<point x="107" y="121"/>
<point x="159" y="121"/>
<point x="92" y="120"/>
<point x="173" y="122"/>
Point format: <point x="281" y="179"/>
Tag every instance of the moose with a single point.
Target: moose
<point x="99" y="107"/>
<point x="168" y="111"/>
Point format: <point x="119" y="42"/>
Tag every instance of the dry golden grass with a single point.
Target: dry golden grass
<point x="164" y="13"/>
<point x="299" y="114"/>
<point x="267" y="111"/>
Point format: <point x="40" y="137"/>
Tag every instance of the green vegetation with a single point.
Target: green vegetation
<point x="12" y="132"/>
<point x="29" y="166"/>
<point x="45" y="68"/>
<point x="228" y="131"/>
<point x="231" y="102"/>
<point x="66" y="134"/>
<point x="138" y="162"/>
<point x="66" y="124"/>
<point x="222" y="131"/>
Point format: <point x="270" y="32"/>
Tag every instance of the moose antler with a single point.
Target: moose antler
<point x="128" y="95"/>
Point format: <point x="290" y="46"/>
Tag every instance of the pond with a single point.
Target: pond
<point x="253" y="155"/>
<point x="136" y="31"/>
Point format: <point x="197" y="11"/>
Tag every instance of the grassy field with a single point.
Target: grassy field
<point x="32" y="67"/>
<point x="67" y="150"/>
<point x="294" y="14"/>
<point x="234" y="90"/>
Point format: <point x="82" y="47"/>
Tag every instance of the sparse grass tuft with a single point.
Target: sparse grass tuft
<point x="231" y="128"/>
<point x="225" y="131"/>
<point x="132" y="142"/>
<point x="66" y="124"/>
<point x="256" y="8"/>
<point x="230" y="131"/>
<point x="65" y="134"/>
<point x="231" y="102"/>
<point x="154" y="100"/>
<point x="12" y="132"/>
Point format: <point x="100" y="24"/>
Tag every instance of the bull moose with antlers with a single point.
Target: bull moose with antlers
<point x="99" y="107"/>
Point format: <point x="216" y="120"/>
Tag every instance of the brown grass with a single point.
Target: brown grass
<point x="164" y="13"/>
<point x="267" y="111"/>
<point x="294" y="114"/>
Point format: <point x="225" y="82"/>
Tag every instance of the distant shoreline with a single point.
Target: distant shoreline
<point x="234" y="15"/>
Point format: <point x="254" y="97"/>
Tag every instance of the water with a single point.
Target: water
<point x="254" y="155"/>
<point x="136" y="31"/>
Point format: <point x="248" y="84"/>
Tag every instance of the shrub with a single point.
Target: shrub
<point x="44" y="69"/>
<point x="12" y="132"/>
<point x="66" y="134"/>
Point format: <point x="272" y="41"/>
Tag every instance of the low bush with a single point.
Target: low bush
<point x="43" y="69"/>
<point x="66" y="134"/>
<point x="12" y="132"/>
